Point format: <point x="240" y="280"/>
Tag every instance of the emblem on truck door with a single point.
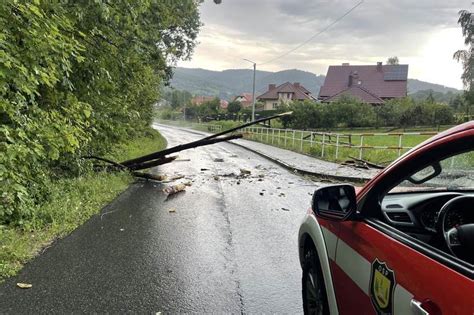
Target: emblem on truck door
<point x="382" y="284"/>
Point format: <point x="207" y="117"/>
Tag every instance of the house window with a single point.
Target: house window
<point x="275" y="105"/>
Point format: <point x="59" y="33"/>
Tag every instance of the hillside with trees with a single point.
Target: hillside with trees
<point x="228" y="83"/>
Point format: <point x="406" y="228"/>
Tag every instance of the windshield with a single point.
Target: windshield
<point x="453" y="173"/>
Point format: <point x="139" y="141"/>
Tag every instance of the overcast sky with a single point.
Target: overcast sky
<point x="422" y="33"/>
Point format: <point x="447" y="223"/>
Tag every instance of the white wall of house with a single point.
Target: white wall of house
<point x="282" y="98"/>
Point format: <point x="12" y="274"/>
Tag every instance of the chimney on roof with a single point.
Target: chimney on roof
<point x="296" y="85"/>
<point x="379" y="66"/>
<point x="271" y="87"/>
<point x="345" y="63"/>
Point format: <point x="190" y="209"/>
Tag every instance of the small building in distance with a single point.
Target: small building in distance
<point x="223" y="104"/>
<point x="373" y="84"/>
<point x="245" y="99"/>
<point x="284" y="93"/>
<point x="200" y="99"/>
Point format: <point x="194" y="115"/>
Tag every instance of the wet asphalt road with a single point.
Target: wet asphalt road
<point x="229" y="247"/>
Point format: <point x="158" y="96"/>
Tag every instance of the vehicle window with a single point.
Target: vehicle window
<point x="456" y="173"/>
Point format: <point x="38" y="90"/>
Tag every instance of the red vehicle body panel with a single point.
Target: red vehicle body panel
<point x="425" y="278"/>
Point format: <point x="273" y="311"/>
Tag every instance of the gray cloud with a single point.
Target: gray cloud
<point x="375" y="30"/>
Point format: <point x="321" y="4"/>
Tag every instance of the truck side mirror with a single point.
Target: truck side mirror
<point x="335" y="202"/>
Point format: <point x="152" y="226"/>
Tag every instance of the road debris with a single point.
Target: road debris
<point x="121" y="230"/>
<point x="219" y="160"/>
<point x="159" y="178"/>
<point x="24" y="285"/>
<point x="176" y="177"/>
<point x="188" y="184"/>
<point x="204" y="169"/>
<point x="261" y="193"/>
<point x="285" y="209"/>
<point x="216" y="177"/>
<point x="243" y="171"/>
<point x="360" y="163"/>
<point x="281" y="195"/>
<point x="171" y="190"/>
<point x="172" y="210"/>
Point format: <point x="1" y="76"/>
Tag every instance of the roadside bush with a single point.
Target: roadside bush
<point x="349" y="113"/>
<point x="75" y="78"/>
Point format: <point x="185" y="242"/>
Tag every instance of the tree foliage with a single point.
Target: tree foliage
<point x="76" y="77"/>
<point x="467" y="56"/>
<point x="348" y="112"/>
<point x="177" y="98"/>
<point x="234" y="107"/>
<point x="392" y="60"/>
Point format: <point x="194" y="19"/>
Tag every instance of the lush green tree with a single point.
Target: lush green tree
<point x="392" y="60"/>
<point x="430" y="98"/>
<point x="209" y="109"/>
<point x="350" y="112"/>
<point x="467" y="56"/>
<point x="177" y="98"/>
<point x="234" y="107"/>
<point x="75" y="78"/>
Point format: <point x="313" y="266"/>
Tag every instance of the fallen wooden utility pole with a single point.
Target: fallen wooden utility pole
<point x="199" y="142"/>
<point x="160" y="157"/>
<point x="247" y="125"/>
<point x="160" y="154"/>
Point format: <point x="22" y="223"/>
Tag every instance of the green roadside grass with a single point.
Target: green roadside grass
<point x="72" y="202"/>
<point x="344" y="153"/>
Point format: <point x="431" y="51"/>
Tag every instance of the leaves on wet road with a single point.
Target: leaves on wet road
<point x="24" y="285"/>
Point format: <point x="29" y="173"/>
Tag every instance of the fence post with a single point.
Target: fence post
<point x="267" y="134"/>
<point x="322" y="145"/>
<point x="273" y="134"/>
<point x="361" y="145"/>
<point x="285" y="138"/>
<point x="279" y="135"/>
<point x="337" y="146"/>
<point x="311" y="139"/>
<point x="301" y="144"/>
<point x="261" y="134"/>
<point x="294" y="135"/>
<point x="400" y="144"/>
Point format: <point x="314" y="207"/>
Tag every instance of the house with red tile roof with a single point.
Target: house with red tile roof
<point x="245" y="99"/>
<point x="372" y="84"/>
<point x="284" y="93"/>
<point x="200" y="99"/>
<point x="224" y="104"/>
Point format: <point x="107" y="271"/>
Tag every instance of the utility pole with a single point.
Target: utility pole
<point x="253" y="89"/>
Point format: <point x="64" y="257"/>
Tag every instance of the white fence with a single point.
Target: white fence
<point x="326" y="143"/>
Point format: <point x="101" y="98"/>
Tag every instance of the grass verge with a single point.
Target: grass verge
<point x="72" y="202"/>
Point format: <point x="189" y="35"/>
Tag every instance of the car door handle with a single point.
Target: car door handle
<point x="417" y="308"/>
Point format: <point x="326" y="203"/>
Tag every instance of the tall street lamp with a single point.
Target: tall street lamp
<point x="253" y="89"/>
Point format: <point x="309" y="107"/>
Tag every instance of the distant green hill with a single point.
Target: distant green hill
<point x="228" y="83"/>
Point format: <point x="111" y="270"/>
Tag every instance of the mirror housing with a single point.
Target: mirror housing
<point x="334" y="202"/>
<point x="425" y="174"/>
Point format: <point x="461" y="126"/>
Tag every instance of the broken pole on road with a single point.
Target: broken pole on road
<point x="160" y="157"/>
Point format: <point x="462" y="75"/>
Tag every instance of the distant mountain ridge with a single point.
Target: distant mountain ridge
<point x="228" y="83"/>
